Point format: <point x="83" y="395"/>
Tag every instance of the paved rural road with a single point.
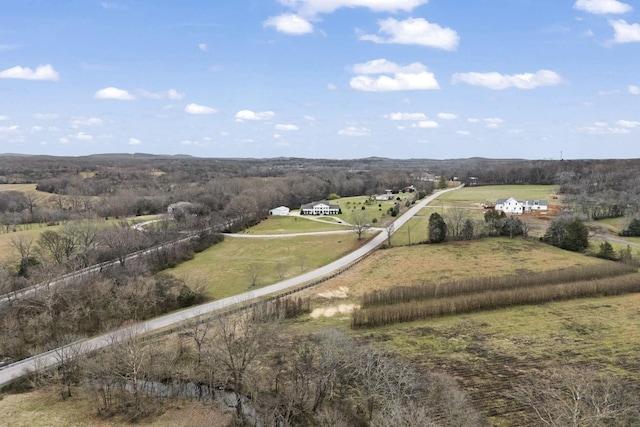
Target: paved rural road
<point x="49" y="359"/>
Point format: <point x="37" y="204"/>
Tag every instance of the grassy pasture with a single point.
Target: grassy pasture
<point x="33" y="231"/>
<point x="488" y="351"/>
<point x="225" y="268"/>
<point x="44" y="408"/>
<point x="453" y="261"/>
<point x="24" y="188"/>
<point x="476" y="196"/>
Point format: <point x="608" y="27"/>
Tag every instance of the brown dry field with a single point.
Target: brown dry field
<point x="407" y="265"/>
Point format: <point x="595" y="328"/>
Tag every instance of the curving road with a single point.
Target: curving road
<point x="51" y="358"/>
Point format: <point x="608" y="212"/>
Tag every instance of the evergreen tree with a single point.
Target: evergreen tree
<point x="566" y="233"/>
<point x="633" y="229"/>
<point x="467" y="230"/>
<point x="437" y="228"/>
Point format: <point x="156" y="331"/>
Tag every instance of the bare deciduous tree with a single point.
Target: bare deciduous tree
<point x="359" y="222"/>
<point x="569" y="396"/>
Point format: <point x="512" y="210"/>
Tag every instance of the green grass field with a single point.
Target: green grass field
<point x="226" y="268"/>
<point x="476" y="196"/>
<point x="376" y="210"/>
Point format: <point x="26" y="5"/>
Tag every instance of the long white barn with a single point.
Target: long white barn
<point x="512" y="206"/>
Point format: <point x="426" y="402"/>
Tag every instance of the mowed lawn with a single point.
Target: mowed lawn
<point x="226" y="269"/>
<point x="294" y="224"/>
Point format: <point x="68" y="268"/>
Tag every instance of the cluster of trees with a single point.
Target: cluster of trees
<point x="578" y="396"/>
<point x="89" y="305"/>
<point x="78" y="244"/>
<point x="567" y="233"/>
<point x="456" y="224"/>
<point x="265" y="375"/>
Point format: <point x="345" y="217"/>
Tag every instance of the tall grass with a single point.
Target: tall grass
<point x="494" y="299"/>
<point x="404" y="294"/>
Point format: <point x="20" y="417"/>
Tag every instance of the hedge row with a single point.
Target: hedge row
<point x="420" y="310"/>
<point x="403" y="294"/>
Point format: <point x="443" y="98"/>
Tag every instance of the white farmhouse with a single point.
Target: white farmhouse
<point x="387" y="196"/>
<point x="319" y="208"/>
<point x="512" y="206"/>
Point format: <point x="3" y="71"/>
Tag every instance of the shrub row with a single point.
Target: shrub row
<point x="403" y="294"/>
<point x="420" y="310"/>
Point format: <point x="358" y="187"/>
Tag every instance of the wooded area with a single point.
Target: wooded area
<point x="84" y="209"/>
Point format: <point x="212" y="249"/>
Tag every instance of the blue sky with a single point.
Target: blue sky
<point x="322" y="78"/>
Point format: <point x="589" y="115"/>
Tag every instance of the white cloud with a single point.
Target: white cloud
<point x="277" y="136"/>
<point x="134" y="141"/>
<point x="503" y="81"/>
<point x="167" y="94"/>
<point x="9" y="130"/>
<point x="45" y="116"/>
<point x="463" y="132"/>
<point x="112" y="5"/>
<point x="203" y="47"/>
<point x="426" y="124"/>
<point x="310" y="118"/>
<point x="447" y="116"/>
<point x="627" y="124"/>
<point x="414" y="31"/>
<point x="286" y="127"/>
<point x="411" y="77"/>
<point x="82" y="121"/>
<point x="6" y="47"/>
<point x="602" y="7"/>
<point x="383" y="66"/>
<point x="250" y="115"/>
<point x="199" y="109"/>
<point x="624" y="32"/>
<point x="2" y="118"/>
<point x="42" y="72"/>
<point x="602" y="128"/>
<point x="81" y="136"/>
<point x="312" y="8"/>
<point x="406" y="116"/>
<point x="400" y="81"/>
<point x="331" y="86"/>
<point x="634" y="90"/>
<point x="494" y="122"/>
<point x="114" y="93"/>
<point x="473" y="120"/>
<point x="289" y="23"/>
<point x="354" y="131"/>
